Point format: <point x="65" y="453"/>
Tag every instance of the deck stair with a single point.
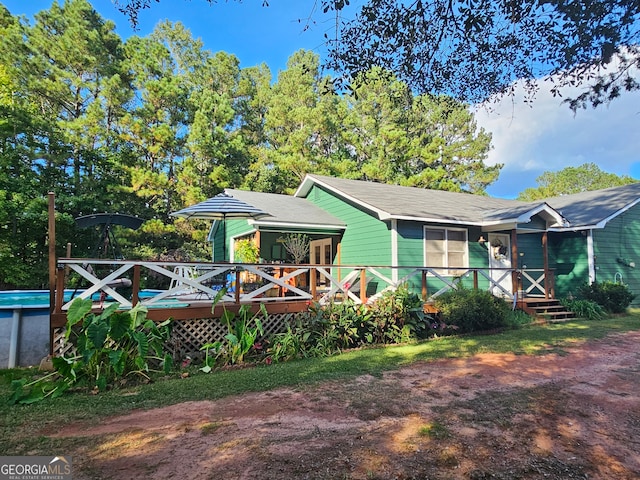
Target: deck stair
<point x="550" y="310"/>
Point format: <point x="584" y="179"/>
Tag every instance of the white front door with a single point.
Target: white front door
<point x="500" y="264"/>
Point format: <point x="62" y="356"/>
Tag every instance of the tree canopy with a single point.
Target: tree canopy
<point x="587" y="176"/>
<point x="474" y="49"/>
<point x="152" y="124"/>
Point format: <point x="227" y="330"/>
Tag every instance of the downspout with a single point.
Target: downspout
<point x="591" y="257"/>
<point x="394" y="250"/>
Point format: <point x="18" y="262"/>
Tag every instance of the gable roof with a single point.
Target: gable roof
<point x="410" y="203"/>
<point x="593" y="209"/>
<point x="288" y="211"/>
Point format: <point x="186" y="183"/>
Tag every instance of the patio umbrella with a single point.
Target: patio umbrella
<point x="107" y="237"/>
<point x="222" y="207"/>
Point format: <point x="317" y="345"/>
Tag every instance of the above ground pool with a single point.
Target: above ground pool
<point x="24" y="327"/>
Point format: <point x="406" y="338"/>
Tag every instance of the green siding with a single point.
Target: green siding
<point x="233" y="228"/>
<point x="366" y="240"/>
<point x="530" y="251"/>
<point x="568" y="257"/>
<point x="617" y="248"/>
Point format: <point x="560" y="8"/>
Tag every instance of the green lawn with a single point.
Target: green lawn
<point x="21" y="427"/>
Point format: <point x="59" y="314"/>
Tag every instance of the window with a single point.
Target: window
<point x="446" y="249"/>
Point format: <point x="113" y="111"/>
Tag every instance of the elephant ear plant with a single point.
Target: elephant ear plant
<point x="241" y="337"/>
<point x="109" y="348"/>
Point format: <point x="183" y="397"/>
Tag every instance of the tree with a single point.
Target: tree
<point x="586" y="177"/>
<point x="59" y="96"/>
<point x="423" y="141"/>
<point x="472" y="49"/>
<point x="300" y="124"/>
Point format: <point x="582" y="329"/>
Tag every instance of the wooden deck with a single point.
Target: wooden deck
<point x="192" y="286"/>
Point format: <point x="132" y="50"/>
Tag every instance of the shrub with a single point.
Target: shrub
<point x="472" y="310"/>
<point x="335" y="327"/>
<point x="328" y="329"/>
<point x="290" y="344"/>
<point x="613" y="297"/>
<point x="518" y="318"/>
<point x="244" y="329"/>
<point x="396" y="317"/>
<point x="109" y="347"/>
<point x="584" y="308"/>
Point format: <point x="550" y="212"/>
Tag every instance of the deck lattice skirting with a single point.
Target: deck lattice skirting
<point x="188" y="336"/>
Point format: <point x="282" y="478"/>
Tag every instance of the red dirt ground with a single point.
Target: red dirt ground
<point x="570" y="414"/>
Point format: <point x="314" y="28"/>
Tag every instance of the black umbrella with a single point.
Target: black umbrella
<point x="222" y="207"/>
<point x="106" y="220"/>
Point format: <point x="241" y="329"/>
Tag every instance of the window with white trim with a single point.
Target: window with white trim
<point x="447" y="249"/>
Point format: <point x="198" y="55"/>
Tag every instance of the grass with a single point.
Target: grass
<point x="20" y="430"/>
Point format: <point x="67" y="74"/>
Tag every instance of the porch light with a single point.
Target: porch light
<point x="482" y="240"/>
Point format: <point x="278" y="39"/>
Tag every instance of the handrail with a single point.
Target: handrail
<point x="253" y="283"/>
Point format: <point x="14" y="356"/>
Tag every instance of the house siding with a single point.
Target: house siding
<point x="617" y="248"/>
<point x="366" y="240"/>
<point x="530" y="251"/>
<point x="234" y="228"/>
<point x="569" y="259"/>
<point x="411" y="253"/>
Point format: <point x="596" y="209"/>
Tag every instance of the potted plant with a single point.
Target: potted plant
<point x="297" y="246"/>
<point x="246" y="251"/>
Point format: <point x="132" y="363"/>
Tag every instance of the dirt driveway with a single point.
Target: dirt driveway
<point x="567" y="414"/>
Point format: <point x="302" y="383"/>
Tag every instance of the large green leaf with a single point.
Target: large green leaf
<point x="138" y="315"/>
<point x="167" y="363"/>
<point x="143" y="343"/>
<point x="116" y="359"/>
<point x="78" y="310"/>
<point x="65" y="367"/>
<point x="120" y="325"/>
<point x="97" y="332"/>
<point x="107" y="312"/>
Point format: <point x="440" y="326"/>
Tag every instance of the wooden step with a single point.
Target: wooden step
<point x="549" y="310"/>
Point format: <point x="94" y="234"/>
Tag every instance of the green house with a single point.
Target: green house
<point x="601" y="242"/>
<point x="547" y="248"/>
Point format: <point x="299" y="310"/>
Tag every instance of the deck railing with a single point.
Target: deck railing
<point x="252" y="283"/>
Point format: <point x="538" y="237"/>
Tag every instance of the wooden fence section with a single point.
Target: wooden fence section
<point x="190" y="290"/>
<point x="284" y="288"/>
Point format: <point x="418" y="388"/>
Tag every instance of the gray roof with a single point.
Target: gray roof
<point x="394" y="201"/>
<point x="590" y="209"/>
<point x="287" y="210"/>
<point x="595" y="208"/>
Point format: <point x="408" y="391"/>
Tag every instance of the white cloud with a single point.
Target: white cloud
<point x="547" y="136"/>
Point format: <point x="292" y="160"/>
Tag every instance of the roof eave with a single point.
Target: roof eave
<point x="315" y="226"/>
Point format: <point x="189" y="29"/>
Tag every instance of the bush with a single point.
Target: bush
<point x="396" y="317"/>
<point x="472" y="310"/>
<point x="584" y="308"/>
<point x="518" y="318"/>
<point x="109" y="348"/>
<point x="613" y="297"/>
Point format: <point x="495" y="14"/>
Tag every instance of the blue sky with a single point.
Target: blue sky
<point x="527" y="140"/>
